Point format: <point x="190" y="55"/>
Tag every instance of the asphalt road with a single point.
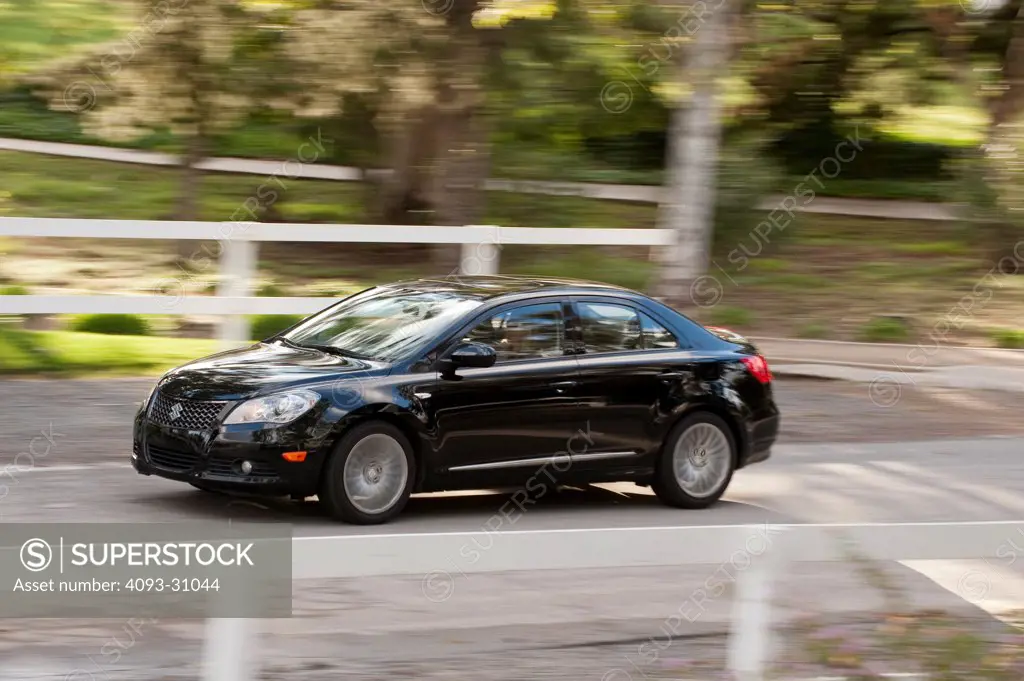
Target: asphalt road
<point x="934" y="455"/>
<point x="841" y="458"/>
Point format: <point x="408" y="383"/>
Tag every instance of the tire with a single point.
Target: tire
<point x="699" y="478"/>
<point x="369" y="477"/>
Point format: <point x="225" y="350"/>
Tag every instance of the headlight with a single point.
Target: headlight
<point x="278" y="409"/>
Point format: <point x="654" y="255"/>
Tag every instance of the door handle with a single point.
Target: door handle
<point x="671" y="375"/>
<point x="562" y="386"/>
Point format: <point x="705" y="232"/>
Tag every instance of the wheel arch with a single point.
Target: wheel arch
<point x="392" y="415"/>
<point x="731" y="420"/>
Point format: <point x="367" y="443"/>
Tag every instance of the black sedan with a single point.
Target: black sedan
<point x="477" y="382"/>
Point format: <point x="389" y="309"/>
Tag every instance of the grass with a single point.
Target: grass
<point x="47" y="186"/>
<point x="885" y="330"/>
<point x="33" y="32"/>
<point x="823" y="272"/>
<point x="730" y="316"/>
<point x="813" y="330"/>
<point x="74" y="353"/>
<point x="1012" y="339"/>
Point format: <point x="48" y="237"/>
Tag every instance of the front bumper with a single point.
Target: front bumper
<point x="212" y="458"/>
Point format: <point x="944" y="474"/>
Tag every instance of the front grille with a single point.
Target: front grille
<point x="187" y="414"/>
<point x="172" y="459"/>
<point x="229" y="467"/>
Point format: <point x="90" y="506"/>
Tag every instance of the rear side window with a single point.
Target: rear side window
<point x="655" y="335"/>
<point x="609" y="328"/>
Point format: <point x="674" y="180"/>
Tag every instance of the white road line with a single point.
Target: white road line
<point x="992" y="588"/>
<point x="980" y="494"/>
<point x="68" y="468"/>
<point x="891" y="675"/>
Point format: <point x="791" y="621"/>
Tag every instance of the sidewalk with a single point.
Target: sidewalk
<point x="897" y="210"/>
<point x="886" y="364"/>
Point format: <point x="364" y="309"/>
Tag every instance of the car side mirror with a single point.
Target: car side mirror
<point x="473" y="355"/>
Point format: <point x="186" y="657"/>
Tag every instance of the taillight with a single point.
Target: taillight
<point x="758" y="366"/>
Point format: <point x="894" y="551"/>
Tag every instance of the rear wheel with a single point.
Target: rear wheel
<point x="697" y="462"/>
<point x="369" y="477"/>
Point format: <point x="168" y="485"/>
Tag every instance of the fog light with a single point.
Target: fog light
<point x="246" y="467"/>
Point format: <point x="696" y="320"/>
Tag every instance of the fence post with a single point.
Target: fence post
<point x="229" y="650"/>
<point x="482" y="257"/>
<point x="237" y="269"/>
<point x="750" y="631"/>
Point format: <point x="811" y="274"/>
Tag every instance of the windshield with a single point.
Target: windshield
<point x="382" y="323"/>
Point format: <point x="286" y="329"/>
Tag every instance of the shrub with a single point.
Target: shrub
<point x="813" y="330"/>
<point x="723" y="315"/>
<point x="271" y="291"/>
<point x="13" y="291"/>
<point x="1012" y="339"/>
<point x="112" y="324"/>
<point x="885" y="329"/>
<point x="265" y="326"/>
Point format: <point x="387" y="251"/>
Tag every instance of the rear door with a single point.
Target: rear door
<point x="633" y="373"/>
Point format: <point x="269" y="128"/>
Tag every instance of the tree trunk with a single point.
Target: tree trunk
<point x="688" y="207"/>
<point x="440" y="158"/>
<point x="457" y="187"/>
<point x="188" y="192"/>
<point x="1001" y="148"/>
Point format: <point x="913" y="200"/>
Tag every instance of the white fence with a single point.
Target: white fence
<point x="237" y="253"/>
<point x="230" y="652"/>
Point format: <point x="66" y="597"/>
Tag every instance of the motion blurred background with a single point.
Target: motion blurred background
<point x="846" y="170"/>
<point x="830" y="169"/>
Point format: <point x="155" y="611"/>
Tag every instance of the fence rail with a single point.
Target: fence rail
<point x="766" y="549"/>
<point x="575" y="549"/>
<point x="237" y="256"/>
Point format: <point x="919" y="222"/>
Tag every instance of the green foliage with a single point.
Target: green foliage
<point x="1012" y="339"/>
<point x="813" y="330"/>
<point x="586" y="265"/>
<point x="884" y="330"/>
<point x="71" y="353"/>
<point x="746" y="176"/>
<point x="730" y="316"/>
<point x="14" y="290"/>
<point x="265" y="326"/>
<point x="271" y="290"/>
<point x="34" y="32"/>
<point x="112" y="324"/>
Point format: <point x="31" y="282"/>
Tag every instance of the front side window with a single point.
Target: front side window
<point x="528" y="332"/>
<point x="609" y="328"/>
<point x="382" y="324"/>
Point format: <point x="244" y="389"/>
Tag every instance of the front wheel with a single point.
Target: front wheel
<point x="697" y="462"/>
<point x="369" y="477"/>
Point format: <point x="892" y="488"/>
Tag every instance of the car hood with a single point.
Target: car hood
<point x="261" y="368"/>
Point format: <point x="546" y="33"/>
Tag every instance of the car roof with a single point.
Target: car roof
<point x="486" y="287"/>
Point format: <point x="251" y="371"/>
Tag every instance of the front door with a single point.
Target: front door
<point x="518" y="415"/>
